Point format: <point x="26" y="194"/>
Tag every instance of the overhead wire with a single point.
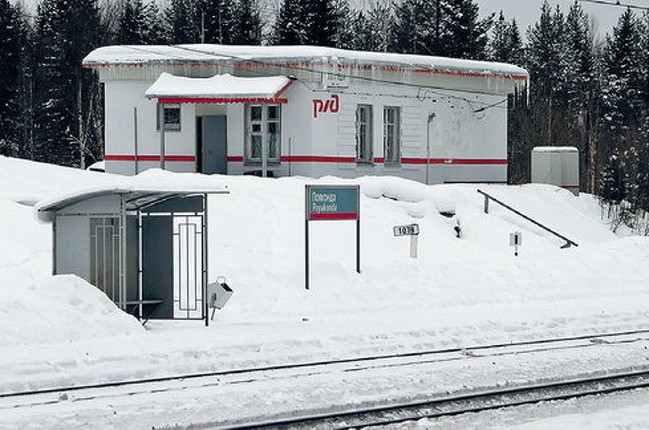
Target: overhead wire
<point x="615" y="3"/>
<point x="430" y="88"/>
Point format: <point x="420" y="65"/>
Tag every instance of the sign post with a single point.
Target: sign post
<point x="331" y="203"/>
<point x="411" y="230"/>
<point x="515" y="240"/>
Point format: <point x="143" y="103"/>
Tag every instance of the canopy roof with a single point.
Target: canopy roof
<point x="218" y="89"/>
<point x="133" y="198"/>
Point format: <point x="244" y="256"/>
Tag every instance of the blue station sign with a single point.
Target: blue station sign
<point x="332" y="202"/>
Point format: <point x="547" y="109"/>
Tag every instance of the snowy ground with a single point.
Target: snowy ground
<point x="459" y="292"/>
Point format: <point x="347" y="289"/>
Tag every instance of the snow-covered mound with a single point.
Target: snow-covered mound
<point x="36" y="308"/>
<point x="466" y="287"/>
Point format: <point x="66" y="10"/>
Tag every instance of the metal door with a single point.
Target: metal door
<point x="214" y="144"/>
<point x="173" y="257"/>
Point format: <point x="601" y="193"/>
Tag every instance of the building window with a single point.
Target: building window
<point x="392" y="134"/>
<point x="263" y="128"/>
<point x="171" y="116"/>
<point x="364" y="134"/>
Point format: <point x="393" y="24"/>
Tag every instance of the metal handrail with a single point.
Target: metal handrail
<point x="488" y="197"/>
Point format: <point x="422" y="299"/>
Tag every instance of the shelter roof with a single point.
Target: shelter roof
<point x="134" y="198"/>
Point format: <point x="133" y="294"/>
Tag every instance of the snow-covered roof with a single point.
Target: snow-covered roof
<point x="555" y="149"/>
<point x="222" y="87"/>
<point x="291" y="56"/>
<point x="136" y="197"/>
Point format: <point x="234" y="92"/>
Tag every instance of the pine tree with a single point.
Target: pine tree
<point x="623" y="93"/>
<point x="440" y="27"/>
<point x="307" y="22"/>
<point x="248" y="25"/>
<point x="139" y="24"/>
<point x="289" y="27"/>
<point x="66" y="31"/>
<point x="506" y="44"/>
<point x="217" y="19"/>
<point x="380" y="22"/>
<point x="10" y="78"/>
<point x="183" y="21"/>
<point x="467" y="34"/>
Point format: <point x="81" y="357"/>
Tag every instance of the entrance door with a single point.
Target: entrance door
<point x="173" y="257"/>
<point x="214" y="144"/>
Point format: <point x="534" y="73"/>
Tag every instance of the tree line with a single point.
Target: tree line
<point x="586" y="91"/>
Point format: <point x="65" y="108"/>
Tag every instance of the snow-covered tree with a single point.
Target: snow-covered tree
<point x="248" y="24"/>
<point x="307" y="22"/>
<point x="217" y="20"/>
<point x="506" y="44"/>
<point x="139" y="23"/>
<point x="623" y="93"/>
<point x="11" y="49"/>
<point x="440" y="27"/>
<point x="66" y="31"/>
<point x="183" y="21"/>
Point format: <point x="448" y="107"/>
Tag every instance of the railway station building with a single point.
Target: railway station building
<point x="304" y="110"/>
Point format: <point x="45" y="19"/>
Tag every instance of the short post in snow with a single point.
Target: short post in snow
<point x="515" y="240"/>
<point x="411" y="230"/>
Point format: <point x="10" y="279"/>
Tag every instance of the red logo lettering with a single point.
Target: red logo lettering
<point x="330" y="105"/>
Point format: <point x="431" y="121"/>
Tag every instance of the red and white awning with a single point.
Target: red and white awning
<point x="218" y="89"/>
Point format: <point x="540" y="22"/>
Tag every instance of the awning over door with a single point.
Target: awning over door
<point x="218" y="89"/>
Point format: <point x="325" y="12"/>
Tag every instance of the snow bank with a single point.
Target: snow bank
<point x="36" y="308"/>
<point x="461" y="290"/>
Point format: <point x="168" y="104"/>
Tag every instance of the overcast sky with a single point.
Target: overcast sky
<point x="526" y="12"/>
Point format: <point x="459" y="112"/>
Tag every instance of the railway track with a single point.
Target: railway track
<point x="384" y="415"/>
<point x="369" y="414"/>
<point x="435" y="354"/>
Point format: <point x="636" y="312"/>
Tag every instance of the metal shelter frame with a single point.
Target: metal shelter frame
<point x="132" y="202"/>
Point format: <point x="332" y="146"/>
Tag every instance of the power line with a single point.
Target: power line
<point x="430" y="88"/>
<point x="616" y="3"/>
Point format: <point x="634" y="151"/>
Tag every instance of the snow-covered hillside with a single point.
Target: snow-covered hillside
<point x="460" y="291"/>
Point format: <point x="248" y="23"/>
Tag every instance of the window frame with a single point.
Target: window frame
<point x="364" y="138"/>
<point x="264" y="126"/>
<point x="169" y="126"/>
<point x="392" y="150"/>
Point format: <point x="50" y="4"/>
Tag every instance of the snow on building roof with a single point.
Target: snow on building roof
<point x="288" y="56"/>
<point x="222" y="88"/>
<point x="555" y="149"/>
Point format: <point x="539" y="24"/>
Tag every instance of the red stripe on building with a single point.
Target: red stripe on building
<point x="321" y="159"/>
<point x="316" y="159"/>
<point x="336" y="216"/>
<point x="172" y="158"/>
<point x="222" y="100"/>
<point x="283" y="89"/>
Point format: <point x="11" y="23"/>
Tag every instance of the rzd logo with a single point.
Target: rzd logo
<point x="330" y="105"/>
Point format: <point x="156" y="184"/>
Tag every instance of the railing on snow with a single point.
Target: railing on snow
<point x="488" y="197"/>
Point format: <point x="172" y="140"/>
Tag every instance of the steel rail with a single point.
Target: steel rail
<point x="467" y="351"/>
<point x="480" y="401"/>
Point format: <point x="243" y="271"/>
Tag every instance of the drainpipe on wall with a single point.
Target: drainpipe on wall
<point x="430" y="119"/>
<point x="137" y="169"/>
<point x="161" y="117"/>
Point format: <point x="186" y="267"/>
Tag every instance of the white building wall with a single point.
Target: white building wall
<point x="125" y="100"/>
<point x="463" y="145"/>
